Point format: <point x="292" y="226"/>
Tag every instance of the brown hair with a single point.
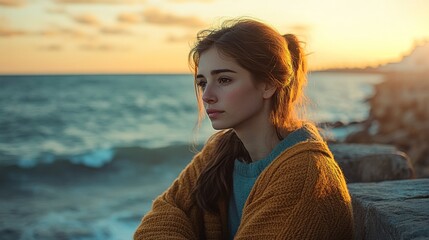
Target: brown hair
<point x="269" y="57"/>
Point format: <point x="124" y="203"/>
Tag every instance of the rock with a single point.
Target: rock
<point x="416" y="61"/>
<point x="335" y="124"/>
<point x="399" y="115"/>
<point x="359" y="137"/>
<point x="391" y="209"/>
<point x="371" y="163"/>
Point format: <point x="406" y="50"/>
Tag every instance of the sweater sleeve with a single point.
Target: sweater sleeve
<point x="172" y="215"/>
<point x="305" y="197"/>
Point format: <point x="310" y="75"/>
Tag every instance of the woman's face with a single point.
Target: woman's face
<point x="231" y="98"/>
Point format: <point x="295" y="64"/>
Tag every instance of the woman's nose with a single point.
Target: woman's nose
<point x="209" y="95"/>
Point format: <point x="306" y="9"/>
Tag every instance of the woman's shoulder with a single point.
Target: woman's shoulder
<point x="307" y="144"/>
<point x="308" y="153"/>
<point x="313" y="163"/>
<point x="306" y="159"/>
<point x="304" y="153"/>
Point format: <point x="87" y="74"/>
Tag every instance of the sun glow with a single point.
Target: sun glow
<point x="102" y="36"/>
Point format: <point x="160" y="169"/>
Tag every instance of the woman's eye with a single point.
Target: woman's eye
<point x="224" y="80"/>
<point x="202" y="84"/>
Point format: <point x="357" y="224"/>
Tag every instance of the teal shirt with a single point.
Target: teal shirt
<point x="245" y="175"/>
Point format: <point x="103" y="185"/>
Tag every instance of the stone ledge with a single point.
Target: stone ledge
<point x="391" y="209"/>
<point x="371" y="162"/>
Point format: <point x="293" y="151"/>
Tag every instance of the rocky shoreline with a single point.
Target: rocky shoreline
<point x="382" y="160"/>
<point x="399" y="116"/>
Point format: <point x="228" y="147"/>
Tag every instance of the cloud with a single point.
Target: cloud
<point x="184" y="38"/>
<point x="10" y="32"/>
<point x="87" y="19"/>
<point x="50" y="31"/>
<point x="129" y="18"/>
<point x="97" y="47"/>
<point x="56" y="10"/>
<point x="300" y="29"/>
<point x="100" y="1"/>
<point x="186" y="1"/>
<point x="3" y="21"/>
<point x="114" y="30"/>
<point x="155" y="16"/>
<point x="83" y="40"/>
<point x="59" y="31"/>
<point x="51" y="47"/>
<point x="12" y="3"/>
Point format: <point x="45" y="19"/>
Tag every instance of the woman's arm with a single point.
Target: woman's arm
<point x="304" y="198"/>
<point x="172" y="215"/>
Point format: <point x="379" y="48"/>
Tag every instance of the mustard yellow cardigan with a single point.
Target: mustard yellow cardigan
<point x="302" y="194"/>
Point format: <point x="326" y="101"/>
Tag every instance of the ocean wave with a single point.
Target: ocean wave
<point x="98" y="158"/>
<point x="116" y="167"/>
<point x="94" y="159"/>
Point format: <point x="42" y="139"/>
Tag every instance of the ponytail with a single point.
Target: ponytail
<point x="215" y="180"/>
<point x="299" y="64"/>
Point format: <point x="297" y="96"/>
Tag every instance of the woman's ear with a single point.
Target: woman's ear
<point x="268" y="90"/>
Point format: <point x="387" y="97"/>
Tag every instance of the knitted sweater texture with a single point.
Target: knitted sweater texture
<point x="245" y="174"/>
<point x="302" y="194"/>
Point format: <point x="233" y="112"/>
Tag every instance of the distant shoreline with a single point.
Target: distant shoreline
<point x="90" y="74"/>
<point x="350" y="70"/>
<point x="169" y="74"/>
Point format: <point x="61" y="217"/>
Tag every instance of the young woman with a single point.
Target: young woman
<point x="266" y="174"/>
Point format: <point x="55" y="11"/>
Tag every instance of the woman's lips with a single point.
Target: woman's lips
<point x="213" y="113"/>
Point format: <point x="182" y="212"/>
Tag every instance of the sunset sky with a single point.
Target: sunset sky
<point x="154" y="36"/>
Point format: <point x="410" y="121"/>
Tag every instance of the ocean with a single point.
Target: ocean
<point x="83" y="118"/>
<point x="83" y="156"/>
